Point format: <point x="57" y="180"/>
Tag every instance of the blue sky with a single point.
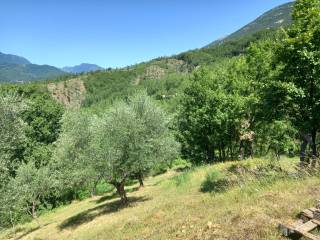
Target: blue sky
<point x="115" y="33"/>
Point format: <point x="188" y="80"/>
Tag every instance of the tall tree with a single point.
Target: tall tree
<point x="299" y="55"/>
<point x="212" y="109"/>
<point x="43" y="117"/>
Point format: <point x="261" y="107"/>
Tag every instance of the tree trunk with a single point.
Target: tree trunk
<point x="220" y="152"/>
<point x="241" y="150"/>
<point x="314" y="142"/>
<point x="33" y="210"/>
<point x="94" y="189"/>
<point x="251" y="149"/>
<point x="140" y="178"/>
<point x="229" y="152"/>
<point x="306" y="139"/>
<point x="122" y="193"/>
<point x="223" y="152"/>
<point x="12" y="223"/>
<point x="210" y="153"/>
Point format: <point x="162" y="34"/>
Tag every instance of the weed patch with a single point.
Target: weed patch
<point x="215" y="182"/>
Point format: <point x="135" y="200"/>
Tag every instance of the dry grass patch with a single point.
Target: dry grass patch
<point x="172" y="206"/>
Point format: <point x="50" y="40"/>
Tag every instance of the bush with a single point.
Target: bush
<point x="239" y="168"/>
<point x="215" y="182"/>
<point x="180" y="165"/>
<point x="159" y="169"/>
<point x="182" y="179"/>
<point x="82" y="194"/>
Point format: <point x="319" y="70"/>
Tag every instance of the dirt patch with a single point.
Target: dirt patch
<point x="159" y="68"/>
<point x="71" y="93"/>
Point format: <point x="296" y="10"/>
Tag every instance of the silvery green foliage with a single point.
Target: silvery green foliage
<point x="131" y="138"/>
<point x="157" y="142"/>
<point x="24" y="193"/>
<point x="32" y="184"/>
<point x="12" y="135"/>
<point x="128" y="139"/>
<point x="73" y="157"/>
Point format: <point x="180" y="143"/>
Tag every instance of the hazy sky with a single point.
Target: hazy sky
<point x="115" y="33"/>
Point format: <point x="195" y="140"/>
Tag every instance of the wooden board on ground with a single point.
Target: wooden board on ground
<point x="309" y="221"/>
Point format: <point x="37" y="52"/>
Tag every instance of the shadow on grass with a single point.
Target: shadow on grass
<point x="28" y="232"/>
<point x="31" y="231"/>
<point x="90" y="214"/>
<point x="215" y="182"/>
<point x="115" y="195"/>
<point x="106" y="198"/>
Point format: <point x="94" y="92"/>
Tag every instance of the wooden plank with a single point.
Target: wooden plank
<point x="289" y="229"/>
<point x="316" y="214"/>
<point x="309" y="220"/>
<point x="310" y="236"/>
<point x="286" y="230"/>
<point x="308" y="213"/>
<point x="306" y="227"/>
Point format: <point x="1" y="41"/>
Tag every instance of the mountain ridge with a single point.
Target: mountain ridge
<point x="275" y="18"/>
<point x="82" y="68"/>
<point x="15" y="68"/>
<point x="12" y="59"/>
<point x="27" y="72"/>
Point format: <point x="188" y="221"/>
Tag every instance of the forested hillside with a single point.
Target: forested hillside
<point x="27" y="72"/>
<point x="231" y="128"/>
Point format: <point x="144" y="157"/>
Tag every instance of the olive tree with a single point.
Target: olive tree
<point x="12" y="135"/>
<point x="157" y="143"/>
<point x="131" y="138"/>
<point x="72" y="156"/>
<point x="33" y="185"/>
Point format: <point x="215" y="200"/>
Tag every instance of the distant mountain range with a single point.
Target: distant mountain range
<point x="82" y="68"/>
<point x="273" y="19"/>
<point x="18" y="69"/>
<point x="27" y="72"/>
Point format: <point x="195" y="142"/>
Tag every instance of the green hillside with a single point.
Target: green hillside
<point x="162" y="77"/>
<point x="18" y="69"/>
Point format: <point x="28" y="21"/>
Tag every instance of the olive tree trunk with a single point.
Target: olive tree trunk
<point x="121" y="191"/>
<point x="140" y="178"/>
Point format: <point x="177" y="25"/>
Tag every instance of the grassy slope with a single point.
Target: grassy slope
<point x="172" y="207"/>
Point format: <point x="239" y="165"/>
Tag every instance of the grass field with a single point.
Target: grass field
<point x="172" y="206"/>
